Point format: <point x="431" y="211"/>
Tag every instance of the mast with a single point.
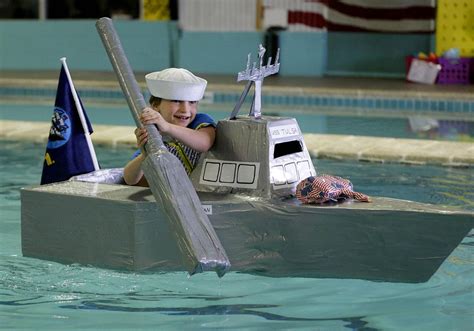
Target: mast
<point x="256" y="74"/>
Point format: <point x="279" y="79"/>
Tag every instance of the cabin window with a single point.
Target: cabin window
<point x="211" y="171"/>
<point x="290" y="173"/>
<point x="278" y="175"/>
<point x="304" y="169"/>
<point x="287" y="148"/>
<point x="246" y="173"/>
<point x="228" y="173"/>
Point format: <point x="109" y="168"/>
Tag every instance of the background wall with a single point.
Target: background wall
<point x="38" y="45"/>
<point x="373" y="54"/>
<point x="303" y="53"/>
<point x="217" y="52"/>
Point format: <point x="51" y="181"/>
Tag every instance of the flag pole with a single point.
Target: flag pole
<point x="80" y="111"/>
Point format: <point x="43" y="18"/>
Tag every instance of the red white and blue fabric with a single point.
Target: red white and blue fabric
<point x="324" y="188"/>
<point x="395" y="16"/>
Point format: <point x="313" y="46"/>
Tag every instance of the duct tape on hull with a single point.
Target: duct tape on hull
<point x="121" y="227"/>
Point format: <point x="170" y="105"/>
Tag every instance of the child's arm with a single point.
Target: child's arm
<point x="200" y="140"/>
<point x="133" y="173"/>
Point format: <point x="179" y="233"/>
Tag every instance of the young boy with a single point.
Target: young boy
<point x="175" y="94"/>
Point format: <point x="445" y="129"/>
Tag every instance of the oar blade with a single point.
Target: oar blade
<point x="195" y="235"/>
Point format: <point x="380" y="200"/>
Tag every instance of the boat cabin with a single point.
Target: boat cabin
<point x="263" y="157"/>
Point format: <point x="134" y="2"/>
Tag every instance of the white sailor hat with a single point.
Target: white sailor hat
<point x="176" y="84"/>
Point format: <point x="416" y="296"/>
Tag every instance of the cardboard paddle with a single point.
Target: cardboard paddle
<point x="200" y="247"/>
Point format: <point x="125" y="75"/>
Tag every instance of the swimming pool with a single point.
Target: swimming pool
<point x="311" y="120"/>
<point x="36" y="294"/>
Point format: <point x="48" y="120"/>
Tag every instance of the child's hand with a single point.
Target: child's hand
<point x="142" y="137"/>
<point x="151" y="116"/>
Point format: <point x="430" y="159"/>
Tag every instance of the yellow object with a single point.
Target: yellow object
<point x="455" y="26"/>
<point x="48" y="159"/>
<point x="156" y="10"/>
<point x="422" y="56"/>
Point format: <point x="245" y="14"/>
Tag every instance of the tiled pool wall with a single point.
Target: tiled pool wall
<point x="416" y="103"/>
<point x="367" y="102"/>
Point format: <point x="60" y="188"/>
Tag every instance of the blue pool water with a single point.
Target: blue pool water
<point x="44" y="295"/>
<point x="310" y="121"/>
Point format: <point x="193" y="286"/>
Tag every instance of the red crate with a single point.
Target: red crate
<point x="455" y="71"/>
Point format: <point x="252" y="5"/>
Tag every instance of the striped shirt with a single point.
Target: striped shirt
<point x="188" y="156"/>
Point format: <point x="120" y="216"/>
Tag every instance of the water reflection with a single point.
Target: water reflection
<point x="432" y="128"/>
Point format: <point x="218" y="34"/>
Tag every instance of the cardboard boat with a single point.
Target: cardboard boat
<point x="246" y="184"/>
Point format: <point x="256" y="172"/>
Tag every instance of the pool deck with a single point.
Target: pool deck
<point x="373" y="149"/>
<point x="301" y="85"/>
<point x="411" y="151"/>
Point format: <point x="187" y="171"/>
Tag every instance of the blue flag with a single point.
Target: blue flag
<point x="67" y="152"/>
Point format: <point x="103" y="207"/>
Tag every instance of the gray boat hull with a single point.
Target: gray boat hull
<point x="121" y="227"/>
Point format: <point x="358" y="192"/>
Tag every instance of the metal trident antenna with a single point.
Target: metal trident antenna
<point x="256" y="75"/>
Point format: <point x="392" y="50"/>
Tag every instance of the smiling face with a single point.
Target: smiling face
<point x="177" y="112"/>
